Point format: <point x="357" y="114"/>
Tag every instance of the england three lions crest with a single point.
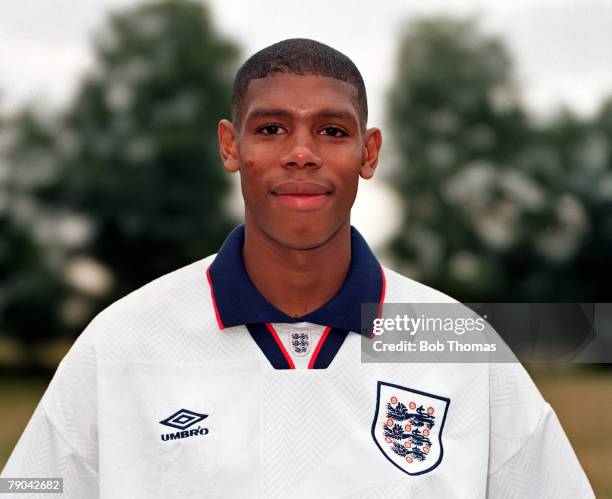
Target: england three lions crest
<point x="408" y="426"/>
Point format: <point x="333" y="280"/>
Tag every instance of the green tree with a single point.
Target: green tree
<point x="495" y="208"/>
<point x="136" y="152"/>
<point x="590" y="171"/>
<point x="31" y="289"/>
<point x="454" y="119"/>
<point x="123" y="185"/>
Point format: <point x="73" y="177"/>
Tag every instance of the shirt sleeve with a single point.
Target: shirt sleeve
<point x="61" y="438"/>
<point x="43" y="452"/>
<point x="530" y="454"/>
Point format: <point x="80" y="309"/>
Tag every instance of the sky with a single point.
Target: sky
<point x="562" y="52"/>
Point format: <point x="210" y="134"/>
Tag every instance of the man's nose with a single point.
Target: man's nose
<point x="302" y="154"/>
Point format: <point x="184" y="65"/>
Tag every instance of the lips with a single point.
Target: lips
<point x="295" y="188"/>
<point x="301" y="195"/>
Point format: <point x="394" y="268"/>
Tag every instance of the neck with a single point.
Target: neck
<point x="296" y="281"/>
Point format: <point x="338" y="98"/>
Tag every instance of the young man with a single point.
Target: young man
<point x="240" y="374"/>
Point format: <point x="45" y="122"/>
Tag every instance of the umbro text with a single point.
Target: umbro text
<point x="185" y="434"/>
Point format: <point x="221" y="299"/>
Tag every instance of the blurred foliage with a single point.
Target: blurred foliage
<point x="125" y="184"/>
<point x="495" y="207"/>
<point x="30" y="291"/>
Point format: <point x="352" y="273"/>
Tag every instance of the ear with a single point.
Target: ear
<point x="371" y="148"/>
<point x="228" y="146"/>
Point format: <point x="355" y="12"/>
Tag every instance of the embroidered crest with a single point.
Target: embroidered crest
<point x="407" y="427"/>
<point x="300" y="343"/>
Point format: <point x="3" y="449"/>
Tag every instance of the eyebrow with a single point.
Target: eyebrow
<point x="283" y="113"/>
<point x="268" y="113"/>
<point x="336" y="114"/>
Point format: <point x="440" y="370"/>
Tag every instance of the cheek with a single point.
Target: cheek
<point x="350" y="192"/>
<point x="255" y="167"/>
<point x="256" y="155"/>
<point x="347" y="166"/>
<point x="351" y="182"/>
<point x="348" y="162"/>
<point x="253" y="181"/>
<point x="249" y="164"/>
<point x="347" y="153"/>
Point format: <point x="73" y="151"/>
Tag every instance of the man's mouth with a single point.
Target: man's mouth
<point x="301" y="195"/>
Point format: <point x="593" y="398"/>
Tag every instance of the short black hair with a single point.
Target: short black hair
<point x="300" y="56"/>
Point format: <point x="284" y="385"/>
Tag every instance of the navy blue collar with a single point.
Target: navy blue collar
<point x="237" y="302"/>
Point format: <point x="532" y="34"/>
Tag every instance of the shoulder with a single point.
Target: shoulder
<point x="176" y="304"/>
<point x="166" y="286"/>
<point x="172" y="292"/>
<point x="402" y="289"/>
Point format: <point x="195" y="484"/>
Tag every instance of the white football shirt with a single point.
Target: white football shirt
<point x="195" y="386"/>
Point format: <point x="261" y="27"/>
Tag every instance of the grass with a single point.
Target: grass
<point x="18" y="399"/>
<point x="571" y="392"/>
<point x="574" y="395"/>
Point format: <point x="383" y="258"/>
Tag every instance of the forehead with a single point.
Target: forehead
<point x="301" y="94"/>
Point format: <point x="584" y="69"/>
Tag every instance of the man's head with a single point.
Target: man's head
<point x="299" y="141"/>
<point x="299" y="56"/>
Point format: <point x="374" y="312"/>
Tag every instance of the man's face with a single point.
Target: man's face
<point x="300" y="152"/>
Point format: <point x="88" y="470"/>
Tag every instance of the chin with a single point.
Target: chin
<point x="302" y="236"/>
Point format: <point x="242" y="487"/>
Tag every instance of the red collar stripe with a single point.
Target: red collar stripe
<point x="280" y="346"/>
<point x="214" y="302"/>
<point x="318" y="347"/>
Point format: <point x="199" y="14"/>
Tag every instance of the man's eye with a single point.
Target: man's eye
<point x="270" y="129"/>
<point x="334" y="131"/>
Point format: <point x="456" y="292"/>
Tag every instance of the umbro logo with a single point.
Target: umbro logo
<point x="183" y="419"/>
